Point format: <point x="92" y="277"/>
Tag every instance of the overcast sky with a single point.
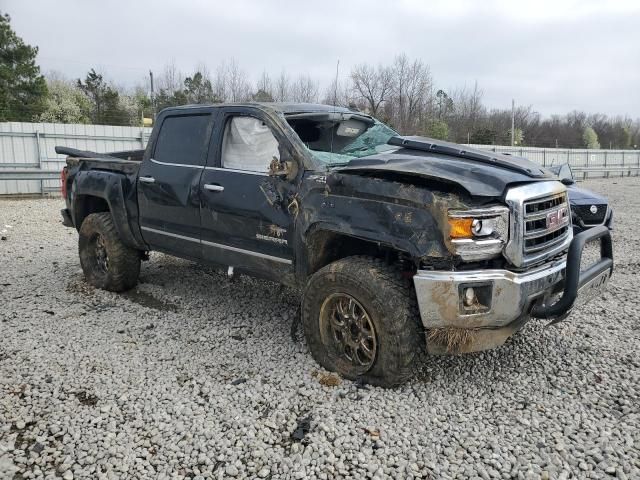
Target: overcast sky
<point x="557" y="55"/>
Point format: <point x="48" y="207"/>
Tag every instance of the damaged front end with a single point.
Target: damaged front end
<point x="487" y="238"/>
<point x="468" y="310"/>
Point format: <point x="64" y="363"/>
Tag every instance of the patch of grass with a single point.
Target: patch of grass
<point x="454" y="339"/>
<point x="329" y="379"/>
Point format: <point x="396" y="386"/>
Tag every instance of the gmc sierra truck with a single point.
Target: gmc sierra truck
<point x="397" y="243"/>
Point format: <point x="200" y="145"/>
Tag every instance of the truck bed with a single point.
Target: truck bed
<point x="127" y="161"/>
<point x="132" y="155"/>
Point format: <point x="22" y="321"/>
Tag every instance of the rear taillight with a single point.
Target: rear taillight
<point x="63" y="182"/>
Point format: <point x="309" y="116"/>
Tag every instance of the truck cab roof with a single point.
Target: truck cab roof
<point x="281" y="107"/>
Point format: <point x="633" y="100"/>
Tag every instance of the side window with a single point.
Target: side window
<point x="248" y="144"/>
<point x="182" y="140"/>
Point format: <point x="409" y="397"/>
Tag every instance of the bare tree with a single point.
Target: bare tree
<point x="220" y="83"/>
<point x="372" y="85"/>
<point x="264" y="88"/>
<point x="341" y="94"/>
<point x="282" y="89"/>
<point x="238" y="86"/>
<point x="419" y="94"/>
<point x="412" y="89"/>
<point x="171" y="79"/>
<point x="305" y="89"/>
<point x="468" y="110"/>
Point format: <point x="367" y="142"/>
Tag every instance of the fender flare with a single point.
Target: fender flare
<point x="303" y="266"/>
<point x="107" y="186"/>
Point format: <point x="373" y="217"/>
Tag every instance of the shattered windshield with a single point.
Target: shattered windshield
<point x="337" y="138"/>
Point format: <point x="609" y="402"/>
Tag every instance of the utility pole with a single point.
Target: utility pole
<point x="513" y="122"/>
<point x="153" y="103"/>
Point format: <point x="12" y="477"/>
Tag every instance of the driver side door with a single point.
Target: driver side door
<point x="241" y="226"/>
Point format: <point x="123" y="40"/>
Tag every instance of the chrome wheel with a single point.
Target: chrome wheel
<point x="101" y="255"/>
<point x="347" y="326"/>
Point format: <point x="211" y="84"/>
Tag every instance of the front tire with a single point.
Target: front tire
<point x="107" y="263"/>
<point x="360" y="320"/>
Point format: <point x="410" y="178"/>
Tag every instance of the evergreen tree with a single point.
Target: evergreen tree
<point x="198" y="89"/>
<point x="23" y="89"/>
<point x="106" y="108"/>
<point x="437" y="129"/>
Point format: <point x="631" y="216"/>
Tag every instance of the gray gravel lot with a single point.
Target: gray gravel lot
<point x="195" y="376"/>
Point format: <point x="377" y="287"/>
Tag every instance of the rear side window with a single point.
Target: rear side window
<point x="183" y="140"/>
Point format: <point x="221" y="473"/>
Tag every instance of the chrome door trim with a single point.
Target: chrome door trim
<point x="235" y="170"/>
<point x="219" y="245"/>
<point x="248" y="252"/>
<point x="168" y="234"/>
<point x="167" y="164"/>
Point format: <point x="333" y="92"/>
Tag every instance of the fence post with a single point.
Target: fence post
<point x="39" y="153"/>
<point x="605" y="165"/>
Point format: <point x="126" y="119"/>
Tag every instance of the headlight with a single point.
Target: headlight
<point x="479" y="234"/>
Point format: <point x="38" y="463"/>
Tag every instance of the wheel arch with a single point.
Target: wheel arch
<point x="99" y="191"/>
<point x="324" y="245"/>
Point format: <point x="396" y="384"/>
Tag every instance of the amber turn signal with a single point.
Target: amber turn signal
<point x="461" y="227"/>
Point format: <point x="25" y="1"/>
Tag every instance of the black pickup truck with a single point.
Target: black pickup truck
<point x="397" y="242"/>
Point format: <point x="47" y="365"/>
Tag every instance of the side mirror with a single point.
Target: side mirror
<point x="565" y="173"/>
<point x="567" y="181"/>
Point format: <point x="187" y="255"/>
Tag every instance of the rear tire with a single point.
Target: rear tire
<point x="107" y="263"/>
<point x="376" y="295"/>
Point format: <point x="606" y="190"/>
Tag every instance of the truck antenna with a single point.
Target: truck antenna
<point x="335" y="101"/>
<point x="335" y="87"/>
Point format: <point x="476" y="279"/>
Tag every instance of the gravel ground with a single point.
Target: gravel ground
<point x="195" y="376"/>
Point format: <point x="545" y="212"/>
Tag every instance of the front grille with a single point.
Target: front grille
<point x="544" y="205"/>
<point x="589" y="218"/>
<point x="546" y="223"/>
<point x="540" y="223"/>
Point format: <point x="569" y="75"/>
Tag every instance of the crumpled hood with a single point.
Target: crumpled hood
<point x="485" y="177"/>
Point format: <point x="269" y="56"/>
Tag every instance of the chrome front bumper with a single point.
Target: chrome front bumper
<point x="509" y="295"/>
<point x="504" y="300"/>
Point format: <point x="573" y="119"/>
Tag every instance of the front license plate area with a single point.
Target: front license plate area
<point x="593" y="288"/>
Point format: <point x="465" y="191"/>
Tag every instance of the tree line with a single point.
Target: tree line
<point x="401" y="93"/>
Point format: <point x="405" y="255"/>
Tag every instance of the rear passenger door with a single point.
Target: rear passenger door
<point x="168" y="184"/>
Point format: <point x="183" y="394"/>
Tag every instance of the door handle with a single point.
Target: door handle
<point x="213" y="188"/>
<point x="147" y="179"/>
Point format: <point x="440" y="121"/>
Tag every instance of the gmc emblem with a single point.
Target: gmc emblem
<point x="557" y="218"/>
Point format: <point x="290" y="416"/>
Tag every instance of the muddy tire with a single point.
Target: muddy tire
<point x="360" y="319"/>
<point x="107" y="263"/>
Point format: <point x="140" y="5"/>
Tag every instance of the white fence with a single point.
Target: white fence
<point x="29" y="164"/>
<point x="584" y="162"/>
